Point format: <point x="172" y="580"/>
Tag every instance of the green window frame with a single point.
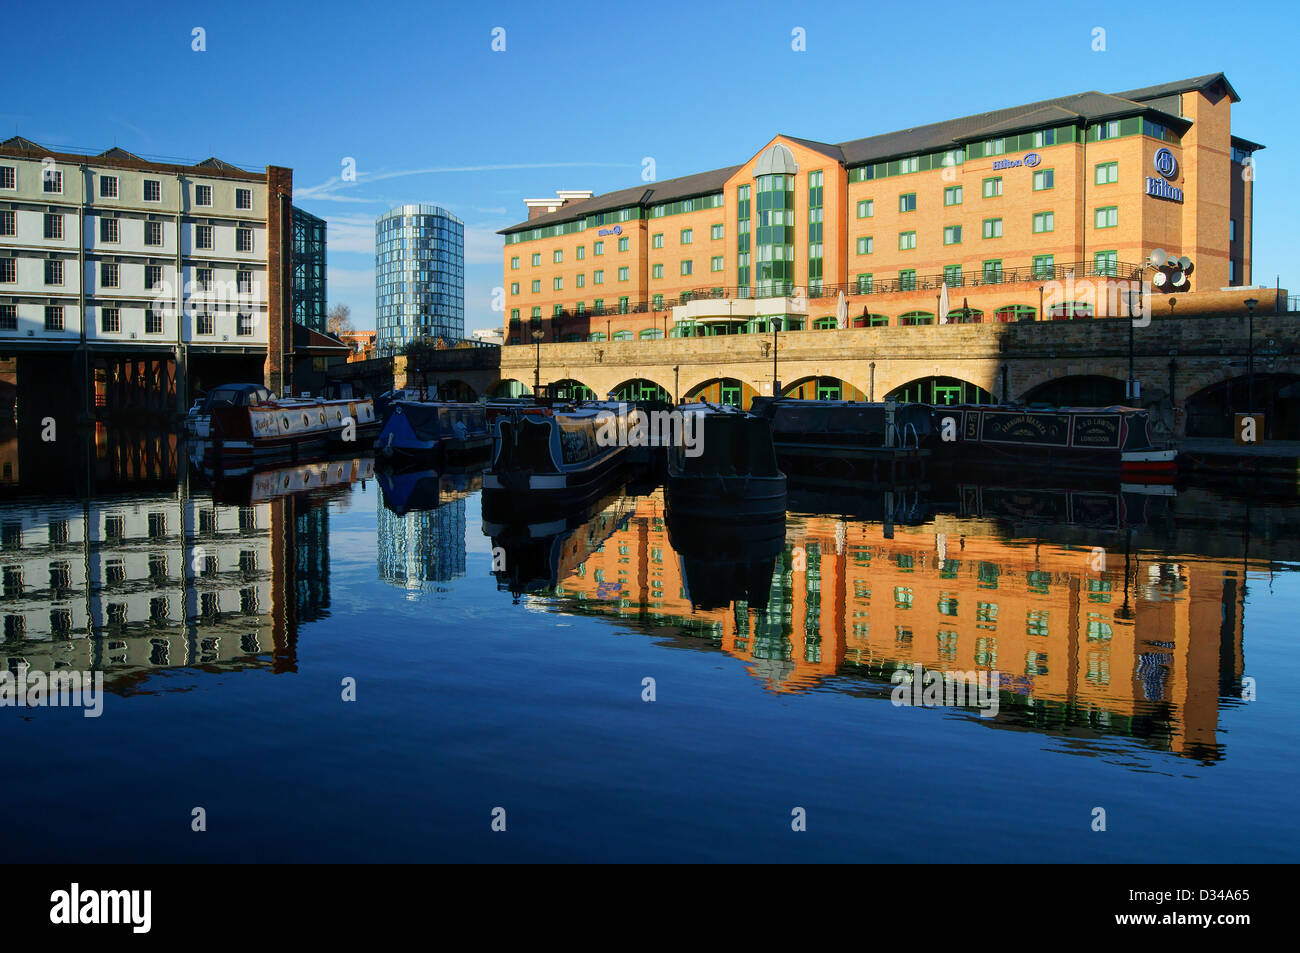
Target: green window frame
<point x="1044" y="266"/>
<point x="537" y="311"/>
<point x="865" y="283"/>
<point x="1105" y="173"/>
<point x="514" y="287"/>
<point x="716" y="263"/>
<point x="624" y="304"/>
<point x="1044" y="222"/>
<point x="866" y="244"/>
<point x="537" y="285"/>
<point x="624" y="243"/>
<point x="1044" y="179"/>
<point x="952" y="235"/>
<point x="952" y="195"/>
<point x="1106" y="262"/>
<point x="907" y="202"/>
<point x="907" y="279"/>
<point x="717" y="232"/>
<point x="657" y="240"/>
<point x="580" y="280"/>
<point x="952" y="275"/>
<point x="688" y="267"/>
<point x="557" y="284"/>
<point x="581" y="252"/>
<point x="906" y="241"/>
<point x="992" y="271"/>
<point x="1106" y="216"/>
<point x="557" y="256"/>
<point x="656" y="271"/>
<point x="657" y="302"/>
<point x="687" y="236"/>
<point x="598" y="305"/>
<point x="537" y="259"/>
<point x="598" y="248"/>
<point x="993" y="187"/>
<point x="514" y="314"/>
<point x="992" y="228"/>
<point x="866" y="208"/>
<point x="598" y="276"/>
<point x="514" y="263"/>
<point x="624" y="273"/>
<point x="557" y="310"/>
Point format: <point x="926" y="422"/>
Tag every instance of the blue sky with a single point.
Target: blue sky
<point x="584" y="91"/>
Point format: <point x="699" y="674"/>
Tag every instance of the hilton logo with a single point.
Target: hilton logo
<point x="1031" y="160"/>
<point x="616" y="230"/>
<point x="1165" y="163"/>
<point x="1167" y="166"/>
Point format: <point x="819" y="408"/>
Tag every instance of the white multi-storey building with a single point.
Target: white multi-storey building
<point x="113" y="252"/>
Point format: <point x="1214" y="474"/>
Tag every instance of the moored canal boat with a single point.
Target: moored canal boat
<point x="724" y="466"/>
<point x="443" y="429"/>
<point x="289" y="429"/>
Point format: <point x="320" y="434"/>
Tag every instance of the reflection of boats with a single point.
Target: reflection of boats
<point x="724" y="561"/>
<point x="447" y="430"/>
<point x="1125" y="506"/>
<point x="1094" y="439"/>
<point x="539" y="554"/>
<point x="727" y="470"/>
<point x="566" y="459"/>
<point x="253" y="429"/>
<point x="408" y="490"/>
<point x="254" y="485"/>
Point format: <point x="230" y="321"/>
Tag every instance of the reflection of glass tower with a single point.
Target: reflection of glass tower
<point x="422" y="546"/>
<point x="419" y="276"/>
<point x="312" y="552"/>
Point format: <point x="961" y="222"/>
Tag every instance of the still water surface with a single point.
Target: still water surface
<point x="1125" y="630"/>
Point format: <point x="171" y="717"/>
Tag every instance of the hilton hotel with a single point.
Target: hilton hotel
<point x="1006" y="208"/>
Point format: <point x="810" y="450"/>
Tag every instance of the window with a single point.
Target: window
<point x="599" y="305"/>
<point x="906" y="240"/>
<point x="907" y="279"/>
<point x="910" y="164"/>
<point x="992" y="228"/>
<point x="1232" y="229"/>
<point x="907" y="202"/>
<point x="54" y="317"/>
<point x="715" y="232"/>
<point x="1107" y="130"/>
<point x="8" y="224"/>
<point x="657" y="240"/>
<point x="865" y="284"/>
<point x="153" y="322"/>
<point x="624" y="273"/>
<point x="994" y="147"/>
<point x="1106" y="263"/>
<point x="244" y="282"/>
<point x="536" y="286"/>
<point x="952" y="276"/>
<point x="108" y="186"/>
<point x="993" y="271"/>
<point x="1044" y="266"/>
<point x="8" y="177"/>
<point x="243" y="324"/>
<point x="952" y="235"/>
<point x="203" y="322"/>
<point x="109" y="274"/>
<point x="52" y="182"/>
<point x="582" y="252"/>
<point x="657" y="302"/>
<point x="1107" y="217"/>
<point x="715" y="263"/>
<point x="993" y="187"/>
<point x="110" y="230"/>
<point x="8" y="270"/>
<point x="866" y="245"/>
<point x="866" y="208"/>
<point x="688" y="267"/>
<point x="110" y="320"/>
<point x="8" y="317"/>
<point x="557" y="256"/>
<point x="598" y="248"/>
<point x="54" y="272"/>
<point x="243" y="199"/>
<point x="1044" y="179"/>
<point x="624" y="244"/>
<point x="514" y="287"/>
<point x="687" y="236"/>
<point x="1106" y="173"/>
<point x="153" y="233"/>
<point x="152" y="277"/>
<point x="1044" y="137"/>
<point x="243" y="239"/>
<point x="598" y="276"/>
<point x="1044" y="222"/>
<point x="580" y="281"/>
<point x="656" y="271"/>
<point x="952" y="195"/>
<point x="153" y="190"/>
<point x="514" y="263"/>
<point x="203" y="236"/>
<point x="623" y="304"/>
<point x="53" y="226"/>
<point x="557" y="284"/>
<point x="203" y="195"/>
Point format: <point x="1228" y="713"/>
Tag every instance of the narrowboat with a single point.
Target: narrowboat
<point x="442" y="429"/>
<point x="843" y="427"/>
<point x="198" y="422"/>
<point x="1113" y="439"/>
<point x="563" y="459"/>
<point x="283" y="430"/>
<point x="724" y="466"/>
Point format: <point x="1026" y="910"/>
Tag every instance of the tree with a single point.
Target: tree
<point x="339" y="320"/>
<point x="419" y="354"/>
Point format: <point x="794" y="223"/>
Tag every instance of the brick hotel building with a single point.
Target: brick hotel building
<point x="1008" y="208"/>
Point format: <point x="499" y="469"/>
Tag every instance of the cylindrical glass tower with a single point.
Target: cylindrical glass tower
<point x="419" y="276"/>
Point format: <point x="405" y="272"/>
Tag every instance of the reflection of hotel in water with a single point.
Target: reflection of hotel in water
<point x="422" y="546"/>
<point x="164" y="580"/>
<point x="1072" y="650"/>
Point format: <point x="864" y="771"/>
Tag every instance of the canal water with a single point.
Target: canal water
<point x="615" y="686"/>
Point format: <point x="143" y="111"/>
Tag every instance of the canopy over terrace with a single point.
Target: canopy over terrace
<point x="709" y="316"/>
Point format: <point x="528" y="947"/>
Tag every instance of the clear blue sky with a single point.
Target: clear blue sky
<point x="414" y="93"/>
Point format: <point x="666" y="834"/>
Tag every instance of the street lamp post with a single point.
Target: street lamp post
<point x="537" y="370"/>
<point x="1250" y="355"/>
<point x="776" y="384"/>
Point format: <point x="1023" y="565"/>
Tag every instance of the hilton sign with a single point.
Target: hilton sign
<point x="1167" y="166"/>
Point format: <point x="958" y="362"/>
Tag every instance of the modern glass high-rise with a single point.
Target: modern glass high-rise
<point x="419" y="276"/>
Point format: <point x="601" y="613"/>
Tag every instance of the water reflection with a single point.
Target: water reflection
<point x="421" y="525"/>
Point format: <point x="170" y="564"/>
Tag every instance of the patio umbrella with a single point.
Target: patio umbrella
<point x="943" y="304"/>
<point x="842" y="312"/>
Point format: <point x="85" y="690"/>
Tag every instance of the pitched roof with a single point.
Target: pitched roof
<point x="1196" y="83"/>
<point x="116" y="156"/>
